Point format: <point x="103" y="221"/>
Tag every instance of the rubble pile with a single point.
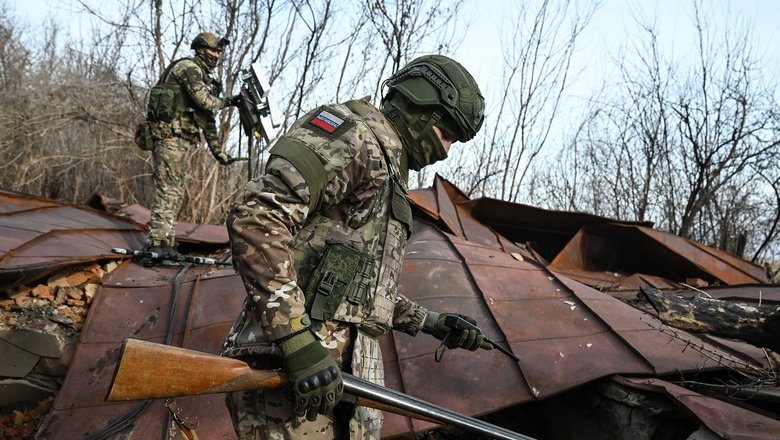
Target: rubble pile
<point x="39" y="329"/>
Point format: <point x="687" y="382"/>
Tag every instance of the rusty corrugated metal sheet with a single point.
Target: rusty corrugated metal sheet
<point x="586" y="247"/>
<point x="612" y="248"/>
<point x="201" y="234"/>
<point x="757" y="294"/>
<point x="565" y="333"/>
<point x="39" y="236"/>
<point x="482" y="220"/>
<point x="136" y="302"/>
<point x="729" y="421"/>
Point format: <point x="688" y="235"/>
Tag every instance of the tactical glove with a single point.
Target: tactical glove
<point x="223" y="158"/>
<point x="232" y="101"/>
<point x="314" y="374"/>
<point x="469" y="339"/>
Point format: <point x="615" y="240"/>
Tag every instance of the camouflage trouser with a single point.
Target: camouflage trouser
<point x="170" y="171"/>
<point x="267" y="414"/>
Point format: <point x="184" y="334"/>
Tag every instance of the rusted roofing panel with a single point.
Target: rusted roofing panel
<point x="756" y="294"/>
<point x="424" y="199"/>
<point x="38" y="237"/>
<point x="136" y="302"/>
<point x="523" y="223"/>
<point x="565" y="333"/>
<point x="578" y="242"/>
<point x="636" y="249"/>
<point x="727" y="420"/>
<point x="617" y="282"/>
<point x="12" y="201"/>
<point x="728" y="268"/>
<point x="186" y="232"/>
<point x="495" y="223"/>
<point x="447" y="211"/>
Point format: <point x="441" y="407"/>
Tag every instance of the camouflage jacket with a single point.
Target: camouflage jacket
<point x="335" y="177"/>
<point x="200" y="100"/>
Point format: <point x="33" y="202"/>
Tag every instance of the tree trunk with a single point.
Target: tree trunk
<point x="759" y="326"/>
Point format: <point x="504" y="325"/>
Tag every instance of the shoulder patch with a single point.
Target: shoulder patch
<point x="326" y="121"/>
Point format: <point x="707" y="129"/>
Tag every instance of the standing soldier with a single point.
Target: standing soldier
<point x="182" y="104"/>
<point x="318" y="241"/>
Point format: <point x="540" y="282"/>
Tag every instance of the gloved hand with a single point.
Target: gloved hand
<point x="469" y="339"/>
<point x="315" y="376"/>
<point x="223" y="158"/>
<point x="232" y="101"/>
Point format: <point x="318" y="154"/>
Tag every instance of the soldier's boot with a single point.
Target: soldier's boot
<point x="146" y="257"/>
<point x="168" y="251"/>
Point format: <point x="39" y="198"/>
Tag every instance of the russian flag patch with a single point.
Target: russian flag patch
<point x="327" y="121"/>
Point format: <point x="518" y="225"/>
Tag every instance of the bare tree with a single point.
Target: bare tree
<point x="536" y="70"/>
<point x="88" y="96"/>
<point x="686" y="145"/>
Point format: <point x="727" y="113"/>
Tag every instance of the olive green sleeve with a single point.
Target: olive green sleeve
<point x="308" y="163"/>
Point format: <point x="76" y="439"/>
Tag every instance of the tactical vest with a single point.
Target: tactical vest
<point x="351" y="274"/>
<point x="168" y="101"/>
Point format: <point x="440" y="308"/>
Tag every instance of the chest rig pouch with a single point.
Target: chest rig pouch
<point x="349" y="274"/>
<point x="165" y="98"/>
<point x="343" y="274"/>
<point x="334" y="268"/>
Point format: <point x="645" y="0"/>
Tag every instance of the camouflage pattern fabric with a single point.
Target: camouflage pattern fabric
<point x="170" y="170"/>
<point x="201" y="99"/>
<point x="172" y="141"/>
<point x="274" y="231"/>
<point x="267" y="414"/>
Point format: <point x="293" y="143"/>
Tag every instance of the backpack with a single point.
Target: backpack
<point x="165" y="100"/>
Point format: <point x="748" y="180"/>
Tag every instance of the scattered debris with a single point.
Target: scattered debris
<point x="39" y="329"/>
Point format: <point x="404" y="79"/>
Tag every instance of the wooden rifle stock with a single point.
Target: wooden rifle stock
<point x="147" y="370"/>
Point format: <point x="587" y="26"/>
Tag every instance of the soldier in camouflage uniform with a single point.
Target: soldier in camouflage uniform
<point x="319" y="240"/>
<point x="182" y="105"/>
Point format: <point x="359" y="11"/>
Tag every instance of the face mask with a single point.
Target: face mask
<point x="415" y="129"/>
<point x="208" y="59"/>
<point x="428" y="148"/>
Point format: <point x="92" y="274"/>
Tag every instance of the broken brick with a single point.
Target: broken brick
<point x="42" y="291"/>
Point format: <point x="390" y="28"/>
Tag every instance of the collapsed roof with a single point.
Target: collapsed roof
<point x="556" y="288"/>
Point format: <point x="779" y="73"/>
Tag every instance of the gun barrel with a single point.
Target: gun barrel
<point x="361" y="388"/>
<point x="503" y="350"/>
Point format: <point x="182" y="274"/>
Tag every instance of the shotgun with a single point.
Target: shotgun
<point x="147" y="370"/>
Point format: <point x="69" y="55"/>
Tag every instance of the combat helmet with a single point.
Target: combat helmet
<point x="205" y="41"/>
<point x="432" y="90"/>
<point x="436" y="80"/>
